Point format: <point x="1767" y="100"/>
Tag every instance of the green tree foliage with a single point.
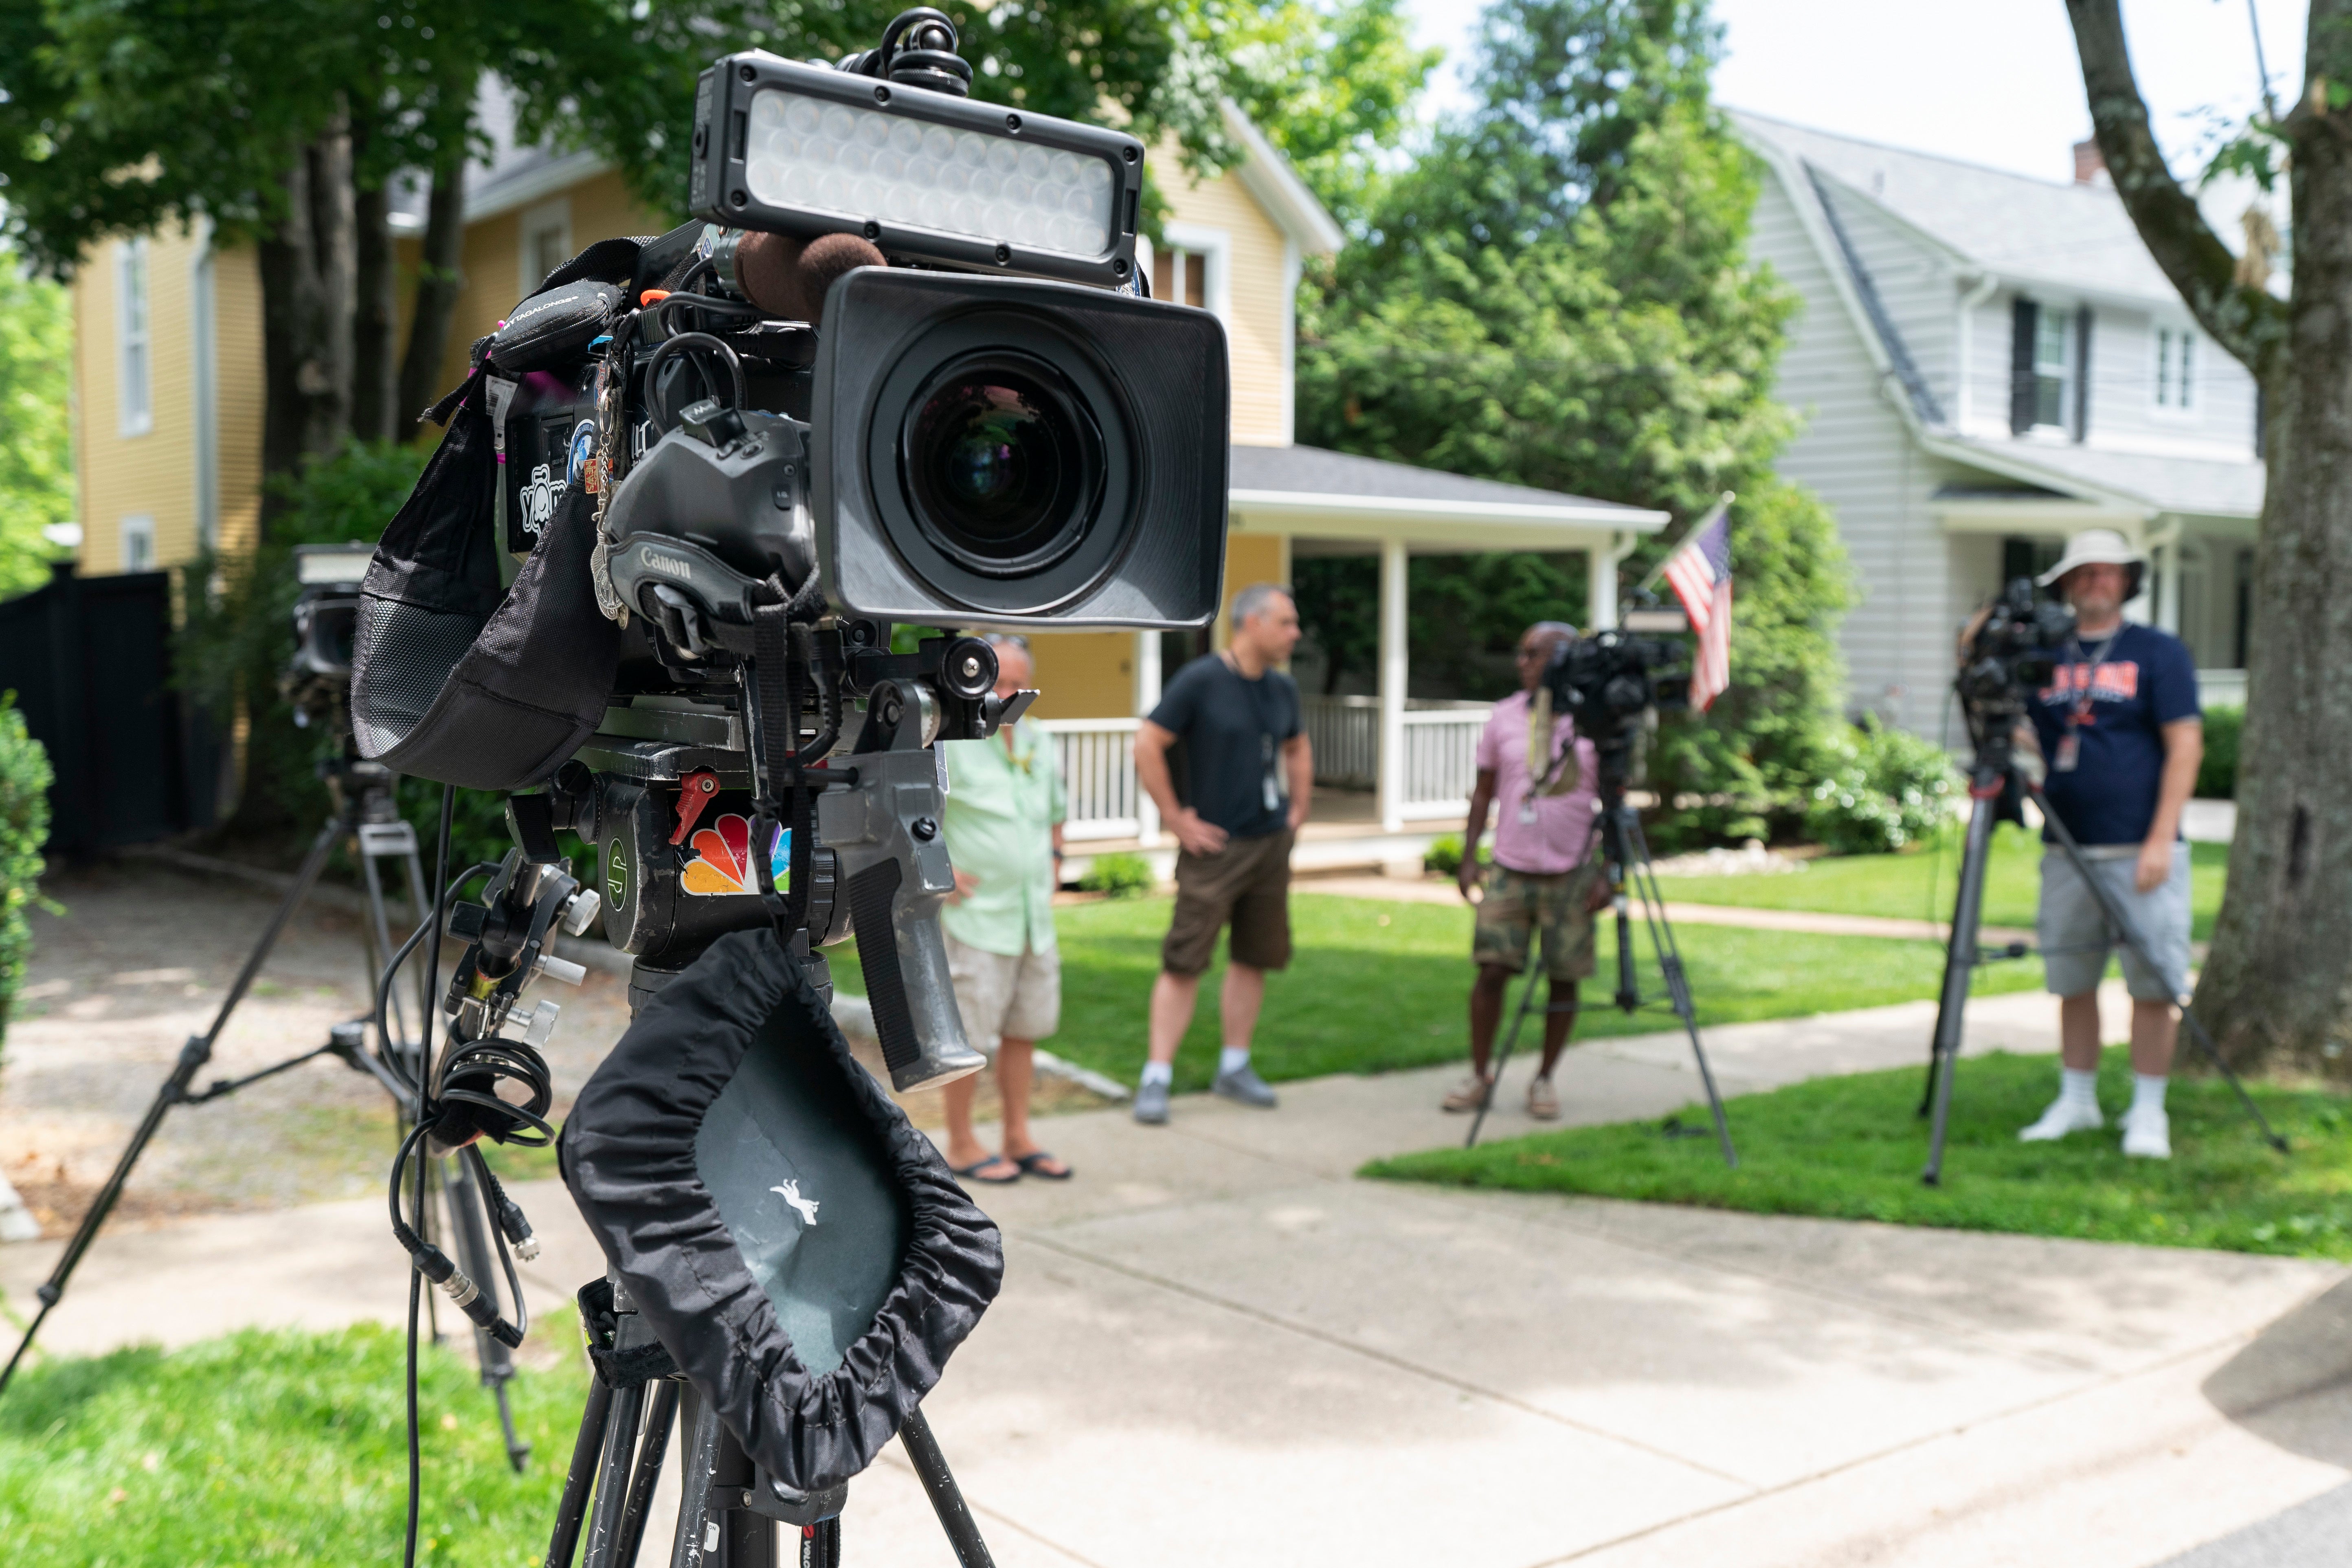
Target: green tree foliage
<point x="36" y="488"/>
<point x="1557" y="294"/>
<point x="25" y="779"/>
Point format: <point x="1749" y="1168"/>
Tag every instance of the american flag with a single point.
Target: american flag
<point x="1700" y="573"/>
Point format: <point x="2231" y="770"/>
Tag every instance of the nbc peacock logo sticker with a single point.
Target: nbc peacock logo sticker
<point x="721" y="866"/>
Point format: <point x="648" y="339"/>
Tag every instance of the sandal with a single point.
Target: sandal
<point x="971" y="1173"/>
<point x="1035" y="1165"/>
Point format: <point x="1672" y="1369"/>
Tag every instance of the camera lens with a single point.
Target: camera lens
<point x="1004" y="468"/>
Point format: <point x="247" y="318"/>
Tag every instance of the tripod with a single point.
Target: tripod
<point x="1995" y="766"/>
<point x="365" y="815"/>
<point x="1626" y="853"/>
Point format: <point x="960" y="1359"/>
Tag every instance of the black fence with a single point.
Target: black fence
<point x="89" y="660"/>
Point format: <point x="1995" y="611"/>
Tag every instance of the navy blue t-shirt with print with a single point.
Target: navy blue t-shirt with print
<point x="2143" y="681"/>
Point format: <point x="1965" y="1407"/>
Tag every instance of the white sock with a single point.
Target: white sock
<point x="1158" y="1072"/>
<point x="1231" y="1060"/>
<point x="2079" y="1087"/>
<point x="2147" y="1093"/>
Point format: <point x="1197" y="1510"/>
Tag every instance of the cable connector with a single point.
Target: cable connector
<point x="518" y="1228"/>
<point x="436" y="1265"/>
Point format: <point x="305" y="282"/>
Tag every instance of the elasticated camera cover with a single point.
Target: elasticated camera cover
<point x="554" y="327"/>
<point x="802" y="1252"/>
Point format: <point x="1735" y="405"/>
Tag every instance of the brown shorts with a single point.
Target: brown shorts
<point x="1247" y="884"/>
<point x="1519" y="904"/>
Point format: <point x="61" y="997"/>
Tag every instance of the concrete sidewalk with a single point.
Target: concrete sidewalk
<point x="1216" y="1345"/>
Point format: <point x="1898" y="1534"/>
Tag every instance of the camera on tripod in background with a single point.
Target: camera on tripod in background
<point x="2009" y="648"/>
<point x="1613" y="683"/>
<point x="317" y="680"/>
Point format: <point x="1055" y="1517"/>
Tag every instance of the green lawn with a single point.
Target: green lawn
<point x="1852" y="1148"/>
<point x="1377" y="985"/>
<point x="276" y="1447"/>
<point x="1920" y="884"/>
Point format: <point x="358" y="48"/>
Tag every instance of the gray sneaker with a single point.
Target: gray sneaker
<point x="1151" y="1104"/>
<point x="1242" y="1084"/>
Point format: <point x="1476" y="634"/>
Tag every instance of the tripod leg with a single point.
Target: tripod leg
<point x="947" y="1499"/>
<point x="1643" y="874"/>
<point x="1503" y="1058"/>
<point x="613" y="1468"/>
<point x="660" y="1415"/>
<point x="1959" y="960"/>
<point x="193" y="1056"/>
<point x="821" y="1544"/>
<point x="571" y="1509"/>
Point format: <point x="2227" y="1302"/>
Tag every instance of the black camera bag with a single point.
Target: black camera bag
<point x="554" y="327"/>
<point x="801" y="1251"/>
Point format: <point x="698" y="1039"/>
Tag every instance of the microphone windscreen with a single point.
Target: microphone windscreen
<point x="788" y="279"/>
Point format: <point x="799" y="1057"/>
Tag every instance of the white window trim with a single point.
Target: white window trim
<point x="2176" y="412"/>
<point x="1217" y="246"/>
<point x="555" y="214"/>
<point x="138" y="525"/>
<point x="130" y="258"/>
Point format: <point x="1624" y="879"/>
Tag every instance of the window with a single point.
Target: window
<point x="134" y="384"/>
<point x="546" y="243"/>
<point x="2053" y="366"/>
<point x="139" y="543"/>
<point x="1181" y="276"/>
<point x="2176" y="368"/>
<point x="2024" y="557"/>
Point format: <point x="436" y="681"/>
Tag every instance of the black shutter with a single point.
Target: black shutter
<point x="2082" y="372"/>
<point x="2025" y="318"/>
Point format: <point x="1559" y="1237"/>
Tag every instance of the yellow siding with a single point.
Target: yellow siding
<point x="1084" y="675"/>
<point x="238" y="397"/>
<point x="152" y="473"/>
<point x="1257" y="326"/>
<point x="602" y="207"/>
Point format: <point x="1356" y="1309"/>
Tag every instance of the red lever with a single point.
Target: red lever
<point x="694" y="790"/>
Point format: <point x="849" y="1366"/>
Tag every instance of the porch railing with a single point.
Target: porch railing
<point x="1097" y="762"/>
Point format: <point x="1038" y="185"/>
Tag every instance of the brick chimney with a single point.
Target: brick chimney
<point x="2090" y="169"/>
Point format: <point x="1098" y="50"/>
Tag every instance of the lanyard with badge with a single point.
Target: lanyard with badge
<point x="1559" y="774"/>
<point x="2078" y="714"/>
<point x="1270" y="781"/>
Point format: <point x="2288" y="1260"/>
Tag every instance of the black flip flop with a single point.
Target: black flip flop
<point x="971" y="1173"/>
<point x="1030" y="1165"/>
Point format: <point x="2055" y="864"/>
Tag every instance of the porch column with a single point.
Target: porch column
<point x="1146" y="698"/>
<point x="1392" y="683"/>
<point x="1600" y="585"/>
<point x="2163" y="588"/>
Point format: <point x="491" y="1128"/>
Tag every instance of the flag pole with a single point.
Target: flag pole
<point x="1722" y="505"/>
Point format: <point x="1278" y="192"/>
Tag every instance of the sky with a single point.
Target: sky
<point x="1994" y="82"/>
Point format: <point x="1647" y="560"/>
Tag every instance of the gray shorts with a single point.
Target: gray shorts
<point x="2077" y="938"/>
<point x="998" y="994"/>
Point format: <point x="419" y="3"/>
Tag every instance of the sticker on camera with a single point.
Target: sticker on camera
<point x="721" y="866"/>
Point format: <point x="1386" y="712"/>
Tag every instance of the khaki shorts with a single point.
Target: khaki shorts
<point x="1003" y="994"/>
<point x="1519" y="903"/>
<point x="1247" y="885"/>
<point x="2075" y="939"/>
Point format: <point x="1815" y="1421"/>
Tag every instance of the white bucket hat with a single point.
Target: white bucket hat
<point x="2097" y="547"/>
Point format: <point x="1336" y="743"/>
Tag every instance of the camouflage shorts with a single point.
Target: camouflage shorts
<point x="1518" y="903"/>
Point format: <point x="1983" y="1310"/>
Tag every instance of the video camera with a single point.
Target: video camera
<point x="2011" y="646"/>
<point x="1610" y="682"/>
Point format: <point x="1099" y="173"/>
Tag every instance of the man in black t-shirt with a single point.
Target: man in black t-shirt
<point x="2120" y="737"/>
<point x="1248" y="774"/>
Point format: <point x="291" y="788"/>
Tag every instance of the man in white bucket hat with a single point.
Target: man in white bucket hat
<point x="2120" y="735"/>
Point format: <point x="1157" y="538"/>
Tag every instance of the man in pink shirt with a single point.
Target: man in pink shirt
<point x="1544" y="877"/>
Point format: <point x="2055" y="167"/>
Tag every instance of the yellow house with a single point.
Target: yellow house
<point x="168" y="347"/>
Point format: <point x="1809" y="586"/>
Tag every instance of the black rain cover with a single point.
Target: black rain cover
<point x="454" y="681"/>
<point x="802" y="1252"/>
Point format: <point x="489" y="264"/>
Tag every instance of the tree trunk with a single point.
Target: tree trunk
<point x="307" y="270"/>
<point x="375" y="307"/>
<point x="438" y="280"/>
<point x="2276" y="989"/>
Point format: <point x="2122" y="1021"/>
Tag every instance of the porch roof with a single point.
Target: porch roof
<point x="1308" y="491"/>
<point x="2117" y="483"/>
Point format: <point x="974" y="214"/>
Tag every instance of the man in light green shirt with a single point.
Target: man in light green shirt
<point x="1004" y="829"/>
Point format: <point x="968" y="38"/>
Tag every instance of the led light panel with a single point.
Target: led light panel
<point x="318" y="565"/>
<point x="861" y="162"/>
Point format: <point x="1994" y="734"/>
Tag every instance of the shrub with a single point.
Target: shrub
<point x="24" y="779"/>
<point x="1443" y="856"/>
<point x="2217" y="775"/>
<point x="1122" y="876"/>
<point x="1887" y="788"/>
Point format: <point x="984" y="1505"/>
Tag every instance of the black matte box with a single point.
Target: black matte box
<point x="1160" y="373"/>
<point x="718" y="186"/>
